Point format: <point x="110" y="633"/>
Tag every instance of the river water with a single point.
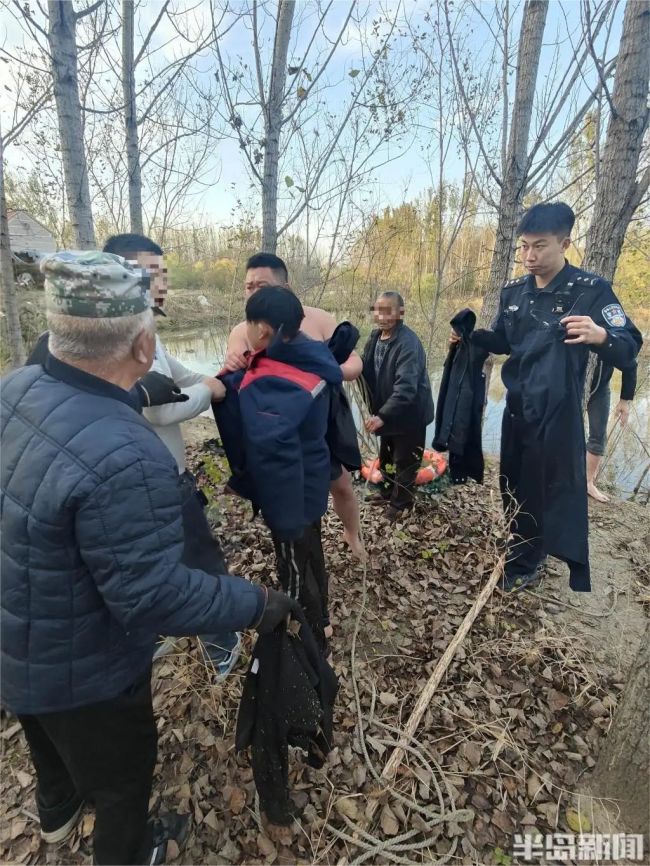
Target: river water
<point x="624" y="465"/>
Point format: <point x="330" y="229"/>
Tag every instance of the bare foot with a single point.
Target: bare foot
<point x="595" y="493"/>
<point x="328" y="631"/>
<point x="355" y="544"/>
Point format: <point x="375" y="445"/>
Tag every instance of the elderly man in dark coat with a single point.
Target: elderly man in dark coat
<point x="91" y="561"/>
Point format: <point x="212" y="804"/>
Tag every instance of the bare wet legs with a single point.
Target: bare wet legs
<point x="346" y="506"/>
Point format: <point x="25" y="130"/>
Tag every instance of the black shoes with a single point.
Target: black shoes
<point x="67" y="818"/>
<point x="166" y="828"/>
<point x="517" y="582"/>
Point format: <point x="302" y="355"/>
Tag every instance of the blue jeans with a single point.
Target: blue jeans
<point x="202" y="550"/>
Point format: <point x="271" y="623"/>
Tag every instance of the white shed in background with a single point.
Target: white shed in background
<point x="26" y="233"/>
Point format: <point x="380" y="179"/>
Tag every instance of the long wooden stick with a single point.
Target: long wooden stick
<point x="424" y="700"/>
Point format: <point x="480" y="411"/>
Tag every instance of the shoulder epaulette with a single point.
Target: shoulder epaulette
<point x="584" y="278"/>
<point x="518" y="281"/>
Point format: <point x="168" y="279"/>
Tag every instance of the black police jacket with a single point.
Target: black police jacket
<point x="288" y="700"/>
<point x="459" y="410"/>
<point x="544" y="378"/>
<point x="526" y="312"/>
<point x="401" y="394"/>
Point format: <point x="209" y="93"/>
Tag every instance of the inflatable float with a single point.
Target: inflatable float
<point x="433" y="466"/>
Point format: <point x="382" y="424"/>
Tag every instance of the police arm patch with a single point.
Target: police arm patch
<point x="613" y="314"/>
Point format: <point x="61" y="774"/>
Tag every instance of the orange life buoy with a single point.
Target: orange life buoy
<point x="425" y="474"/>
<point x="370" y="471"/>
<point x="435" y="466"/>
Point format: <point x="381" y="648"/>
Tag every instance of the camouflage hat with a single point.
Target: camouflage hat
<point x="94" y="284"/>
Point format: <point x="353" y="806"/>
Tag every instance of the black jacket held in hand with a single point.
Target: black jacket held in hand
<point x="401" y="394"/>
<point x="341" y="429"/>
<point x="288" y="700"/>
<point x="460" y="403"/>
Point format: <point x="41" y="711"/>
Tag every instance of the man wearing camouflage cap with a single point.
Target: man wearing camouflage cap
<point x="91" y="561"/>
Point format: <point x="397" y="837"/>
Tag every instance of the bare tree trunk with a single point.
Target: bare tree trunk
<point x="273" y="125"/>
<point x="130" y="119"/>
<point x="63" y="54"/>
<point x="622" y="770"/>
<point x="7" y="283"/>
<point x="514" y="180"/>
<point x="618" y="193"/>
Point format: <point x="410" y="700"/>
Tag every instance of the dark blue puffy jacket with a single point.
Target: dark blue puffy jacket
<point x="273" y="425"/>
<point x="91" y="545"/>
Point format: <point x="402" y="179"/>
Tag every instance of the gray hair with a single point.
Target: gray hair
<point x="82" y="338"/>
<point x="394" y="296"/>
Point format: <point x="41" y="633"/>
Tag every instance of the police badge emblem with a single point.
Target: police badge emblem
<point x="614" y="315"/>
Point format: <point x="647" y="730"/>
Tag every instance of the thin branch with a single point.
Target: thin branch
<point x="89" y="11"/>
<point x="597" y="62"/>
<point x="323" y="67"/>
<point x="243" y="144"/>
<point x="258" y="59"/>
<point x="16" y="130"/>
<point x="151" y="32"/>
<point x="463" y="92"/>
<point x="330" y="149"/>
<point x="568" y="133"/>
<point x="561" y="99"/>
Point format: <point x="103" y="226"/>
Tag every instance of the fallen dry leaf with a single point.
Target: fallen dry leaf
<point x="388" y="821"/>
<point x="17" y="828"/>
<point x="577" y="822"/>
<point x="347" y="806"/>
<point x="11" y="731"/>
<point x="24" y="779"/>
<point x="237" y="801"/>
<point x="266" y="848"/>
<point x="229" y="852"/>
<point x="87" y="825"/>
<point x="211" y="820"/>
<point x="557" y="700"/>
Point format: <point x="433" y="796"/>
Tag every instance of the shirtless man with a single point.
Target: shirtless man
<point x="266" y="269"/>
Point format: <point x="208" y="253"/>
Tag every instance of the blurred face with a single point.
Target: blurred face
<point x="543" y="254"/>
<point x="258" y="278"/>
<point x="258" y="335"/>
<point x="386" y="313"/>
<point x="157" y="269"/>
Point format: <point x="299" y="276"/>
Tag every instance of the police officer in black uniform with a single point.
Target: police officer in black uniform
<point x="548" y="322"/>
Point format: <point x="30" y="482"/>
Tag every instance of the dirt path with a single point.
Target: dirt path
<point x="610" y="620"/>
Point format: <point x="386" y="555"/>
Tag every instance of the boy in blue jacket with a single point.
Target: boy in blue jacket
<point x="273" y="423"/>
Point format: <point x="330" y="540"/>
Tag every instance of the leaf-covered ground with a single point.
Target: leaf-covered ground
<point x="513" y="727"/>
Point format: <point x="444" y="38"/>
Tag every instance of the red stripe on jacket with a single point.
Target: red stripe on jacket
<point x="269" y="367"/>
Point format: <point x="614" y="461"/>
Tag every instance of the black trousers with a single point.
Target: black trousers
<point x="303" y="576"/>
<point x="105" y="754"/>
<point x="522" y="488"/>
<point x="202" y="550"/>
<point x="400" y="457"/>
